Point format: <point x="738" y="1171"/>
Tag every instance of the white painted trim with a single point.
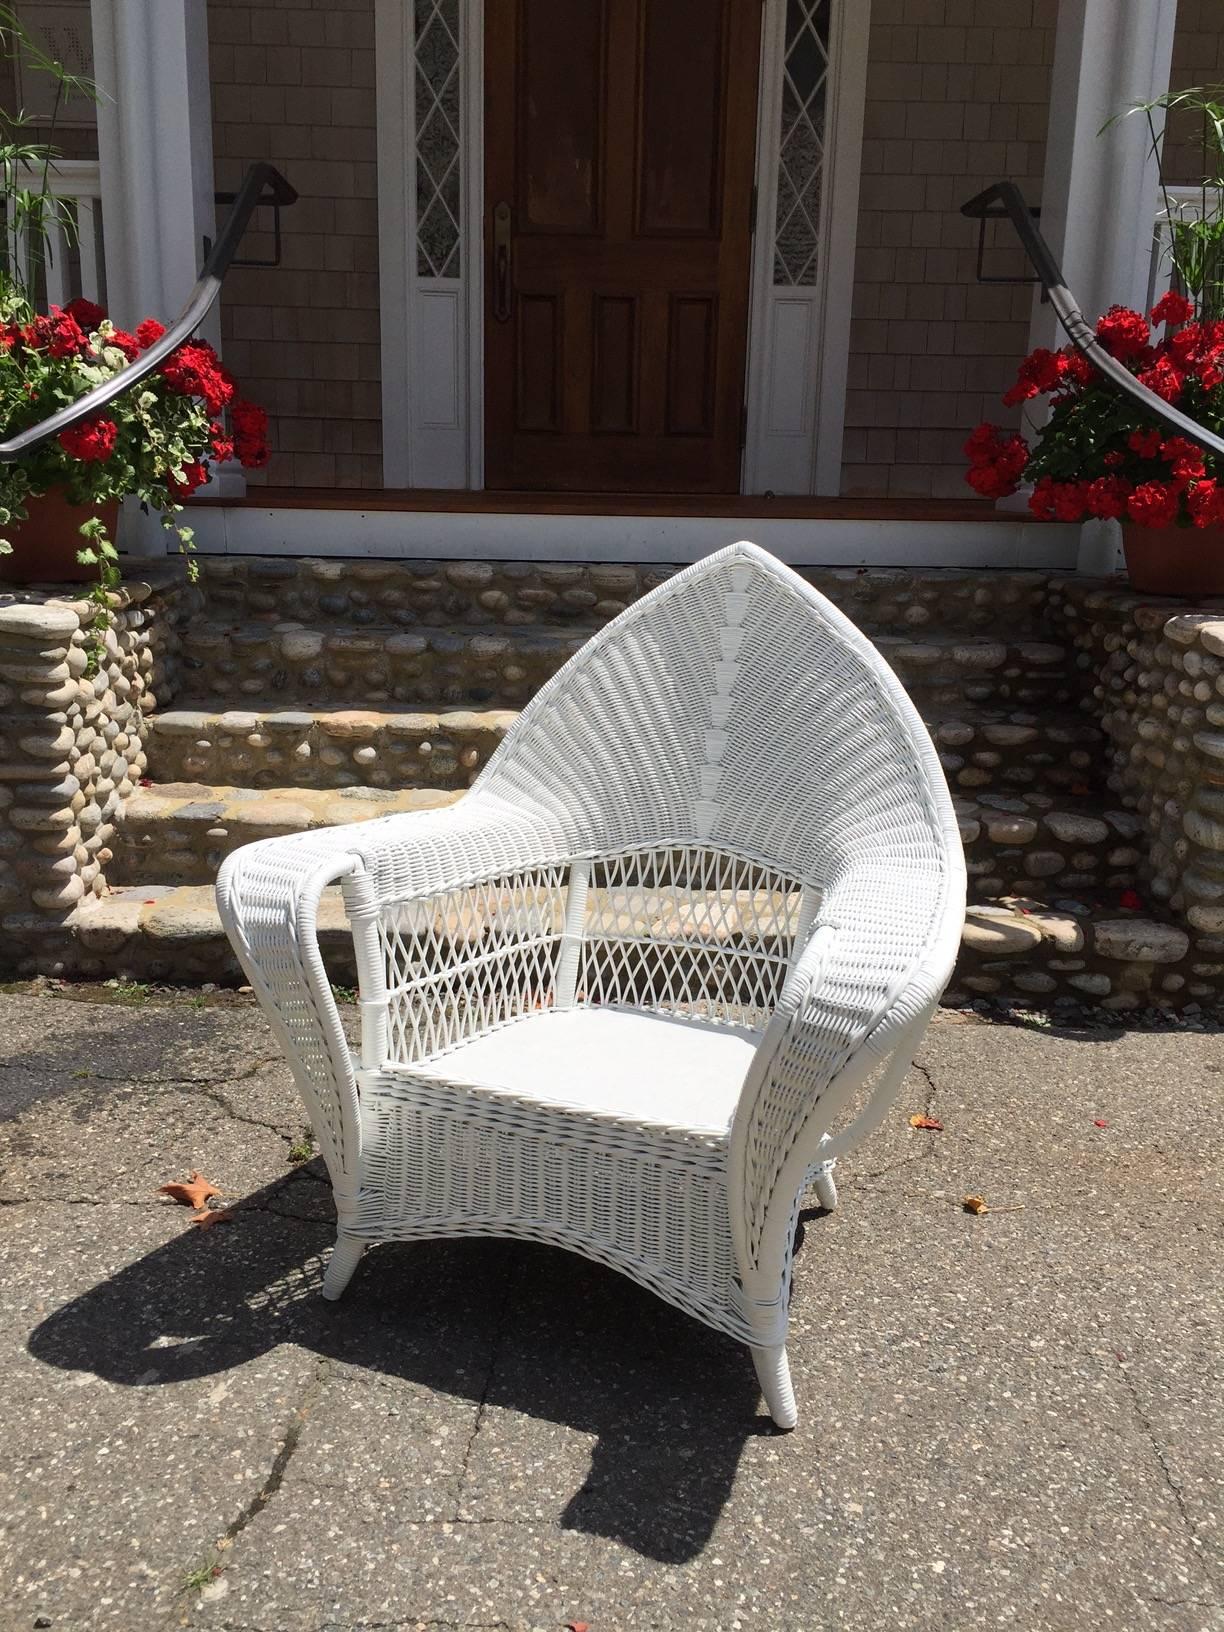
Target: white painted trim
<point x="400" y="535"/>
<point x="156" y="162"/>
<point x="799" y="338"/>
<point x="760" y="306"/>
<point x="473" y="224"/>
<point x="1098" y="198"/>
<point x="432" y="385"/>
<point x="392" y="90"/>
<point x="851" y="27"/>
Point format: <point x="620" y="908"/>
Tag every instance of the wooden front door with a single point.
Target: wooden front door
<point x="619" y="158"/>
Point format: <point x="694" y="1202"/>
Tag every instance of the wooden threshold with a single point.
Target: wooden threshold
<point x="453" y="501"/>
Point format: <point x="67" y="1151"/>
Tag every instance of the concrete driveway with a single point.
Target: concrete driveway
<point x="1006" y="1421"/>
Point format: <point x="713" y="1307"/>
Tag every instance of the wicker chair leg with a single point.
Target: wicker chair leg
<point x="826" y="1189"/>
<point x="773" y="1374"/>
<point x="346" y="1255"/>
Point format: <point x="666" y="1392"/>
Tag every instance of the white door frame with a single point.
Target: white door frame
<point x="799" y="337"/>
<point x="433" y="328"/>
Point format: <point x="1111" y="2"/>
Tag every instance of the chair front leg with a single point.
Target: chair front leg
<point x="773" y="1374"/>
<point x="346" y="1255"/>
<point x="825" y="1188"/>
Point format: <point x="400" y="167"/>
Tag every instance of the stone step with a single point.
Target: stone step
<point x="269" y="746"/>
<point x="380" y="665"/>
<point x="1011" y="750"/>
<point x="1049" y="952"/>
<point x="884" y="600"/>
<point x="180" y="832"/>
<point x="946" y="672"/>
<point x="375" y="666"/>
<point x="1041" y="953"/>
<point x="1078" y="846"/>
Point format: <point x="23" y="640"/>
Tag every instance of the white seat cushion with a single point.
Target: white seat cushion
<point x="630" y="1064"/>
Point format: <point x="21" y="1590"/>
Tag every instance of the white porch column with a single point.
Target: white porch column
<point x="155" y="151"/>
<point x="1098" y="200"/>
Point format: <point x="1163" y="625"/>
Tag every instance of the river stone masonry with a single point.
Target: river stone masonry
<point x="74" y="702"/>
<point x="443" y="593"/>
<point x="1081" y="729"/>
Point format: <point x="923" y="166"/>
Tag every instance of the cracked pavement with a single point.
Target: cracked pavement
<point x="1011" y="1420"/>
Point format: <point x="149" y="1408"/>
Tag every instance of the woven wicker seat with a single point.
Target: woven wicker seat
<point x="638" y="990"/>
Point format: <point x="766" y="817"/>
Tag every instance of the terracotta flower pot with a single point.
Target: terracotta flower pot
<point x="45" y="545"/>
<point x="1174" y="560"/>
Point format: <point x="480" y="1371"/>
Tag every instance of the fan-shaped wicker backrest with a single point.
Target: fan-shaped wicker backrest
<point x="732" y="708"/>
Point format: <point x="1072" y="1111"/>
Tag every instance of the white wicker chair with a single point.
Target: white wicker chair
<point x="695" y="913"/>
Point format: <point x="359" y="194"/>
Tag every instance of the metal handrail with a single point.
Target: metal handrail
<point x="1006" y="199"/>
<point x="199" y="303"/>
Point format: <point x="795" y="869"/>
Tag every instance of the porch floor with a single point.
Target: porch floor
<point x="781" y="507"/>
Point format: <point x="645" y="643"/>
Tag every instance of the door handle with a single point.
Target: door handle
<point x="502" y="270"/>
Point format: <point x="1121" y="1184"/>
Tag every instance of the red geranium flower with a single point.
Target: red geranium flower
<point x="1154" y="504"/>
<point x="1172" y="308"/>
<point x="996" y="463"/>
<point x="86" y="312"/>
<point x="1107" y="496"/>
<point x="1059" y="501"/>
<point x="90" y="442"/>
<point x="194" y="370"/>
<point x="222" y="446"/>
<point x="127" y="344"/>
<point x="1077" y="367"/>
<point x="250" y="424"/>
<point x="1145" y="443"/>
<point x="1039" y="373"/>
<point x="1184" y="456"/>
<point x="149" y="332"/>
<point x="1205" y="502"/>
<point x="58" y="334"/>
<point x="194" y="475"/>
<point x="1122" y="332"/>
<point x="1164" y="378"/>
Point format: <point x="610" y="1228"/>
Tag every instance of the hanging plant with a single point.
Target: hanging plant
<point x="156" y="442"/>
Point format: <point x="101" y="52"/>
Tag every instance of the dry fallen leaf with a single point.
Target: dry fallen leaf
<point x="218" y="1215"/>
<point x="195" y="1193"/>
<point x="931" y="1123"/>
<point x="977" y="1205"/>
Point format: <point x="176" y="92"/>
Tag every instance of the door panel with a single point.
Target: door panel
<point x="559" y="107"/>
<point x="678" y="147"/>
<point x="620" y="134"/>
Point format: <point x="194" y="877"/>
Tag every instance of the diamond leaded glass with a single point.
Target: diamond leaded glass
<point x="801" y="142"/>
<point x="438" y="146"/>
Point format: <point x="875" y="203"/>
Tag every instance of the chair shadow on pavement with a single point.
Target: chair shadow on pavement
<point x="523" y="1331"/>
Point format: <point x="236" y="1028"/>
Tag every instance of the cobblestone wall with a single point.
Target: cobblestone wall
<point x="73" y="703"/>
<point x="1081" y="728"/>
<point x="1158" y="690"/>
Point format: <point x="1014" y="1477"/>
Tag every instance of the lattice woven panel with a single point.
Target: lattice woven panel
<point x="692" y="931"/>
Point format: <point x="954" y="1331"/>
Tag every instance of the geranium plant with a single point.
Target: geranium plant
<point x="154" y="442"/>
<point x="1100" y="453"/>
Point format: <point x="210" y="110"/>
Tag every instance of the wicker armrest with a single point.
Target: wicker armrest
<point x="880" y="954"/>
<point x="268" y="895"/>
